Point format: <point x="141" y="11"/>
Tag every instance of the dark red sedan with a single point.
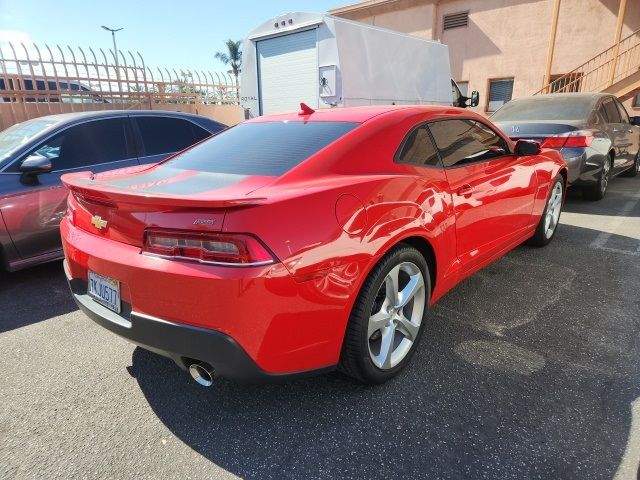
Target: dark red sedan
<point x="301" y="243"/>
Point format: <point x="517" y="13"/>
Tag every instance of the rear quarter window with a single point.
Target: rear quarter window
<point x="264" y="148"/>
<point x="417" y="149"/>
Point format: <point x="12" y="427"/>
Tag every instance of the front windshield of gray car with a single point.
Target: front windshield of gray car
<point x="544" y="108"/>
<point x="20" y="133"/>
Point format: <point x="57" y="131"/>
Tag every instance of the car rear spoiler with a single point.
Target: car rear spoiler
<point x="80" y="183"/>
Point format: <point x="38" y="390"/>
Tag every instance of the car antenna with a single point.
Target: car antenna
<point x="305" y="109"/>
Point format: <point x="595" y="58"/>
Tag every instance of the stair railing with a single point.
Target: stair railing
<point x="603" y="70"/>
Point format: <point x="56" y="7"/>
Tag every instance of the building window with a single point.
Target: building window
<point x="636" y="101"/>
<point x="455" y="20"/>
<point x="500" y="92"/>
<point x="464" y="88"/>
<point x="565" y="83"/>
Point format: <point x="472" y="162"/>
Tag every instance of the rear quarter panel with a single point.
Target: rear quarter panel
<point x="550" y="165"/>
<point x="330" y="251"/>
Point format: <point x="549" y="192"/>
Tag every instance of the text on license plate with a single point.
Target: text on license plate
<point x="105" y="291"/>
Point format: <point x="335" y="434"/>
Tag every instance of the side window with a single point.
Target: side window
<point x="418" y="149"/>
<point x="613" y="115"/>
<point x="466" y="141"/>
<point x="164" y="134"/>
<point x="455" y="93"/>
<point x="91" y="143"/>
<point x="624" y="116"/>
<point x="601" y="114"/>
<point x="51" y="149"/>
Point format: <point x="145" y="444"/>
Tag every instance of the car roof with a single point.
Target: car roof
<point x="64" y="120"/>
<point x="362" y="114"/>
<point x="73" y="116"/>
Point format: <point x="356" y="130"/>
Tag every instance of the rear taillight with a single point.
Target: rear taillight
<point x="577" y="139"/>
<point x="234" y="249"/>
<point x="554" y="142"/>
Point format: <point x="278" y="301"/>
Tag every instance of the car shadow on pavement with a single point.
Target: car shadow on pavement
<point x="519" y="375"/>
<point x="622" y="199"/>
<point x="32" y="295"/>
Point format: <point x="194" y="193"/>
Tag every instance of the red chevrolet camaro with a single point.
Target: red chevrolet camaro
<point x="299" y="243"/>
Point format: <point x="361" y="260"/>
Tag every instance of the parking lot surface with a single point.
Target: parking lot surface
<point x="528" y="369"/>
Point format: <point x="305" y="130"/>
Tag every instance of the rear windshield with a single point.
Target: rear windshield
<point x="266" y="148"/>
<point x="545" y="108"/>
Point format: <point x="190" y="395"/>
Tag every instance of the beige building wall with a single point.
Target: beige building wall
<point x="416" y="17"/>
<point x="506" y="38"/>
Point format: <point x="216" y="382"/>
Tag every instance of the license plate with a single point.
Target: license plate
<point x="105" y="291"/>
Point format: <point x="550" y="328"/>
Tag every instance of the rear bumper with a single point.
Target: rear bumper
<point x="181" y="343"/>
<point x="248" y="323"/>
<point x="584" y="165"/>
<point x="575" y="159"/>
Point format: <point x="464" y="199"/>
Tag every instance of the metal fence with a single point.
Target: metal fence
<point x="38" y="81"/>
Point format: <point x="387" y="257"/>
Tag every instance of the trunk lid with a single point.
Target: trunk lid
<point x="120" y="204"/>
<point x="538" y="130"/>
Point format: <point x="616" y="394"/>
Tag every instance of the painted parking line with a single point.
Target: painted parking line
<point x="622" y="224"/>
<point x="628" y="468"/>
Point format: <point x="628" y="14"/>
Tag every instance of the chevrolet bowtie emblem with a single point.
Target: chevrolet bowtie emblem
<point x="98" y="222"/>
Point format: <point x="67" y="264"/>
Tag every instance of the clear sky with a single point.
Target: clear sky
<point x="175" y="34"/>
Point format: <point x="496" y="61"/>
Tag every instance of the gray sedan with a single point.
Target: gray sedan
<point x="593" y="132"/>
<point x="36" y="153"/>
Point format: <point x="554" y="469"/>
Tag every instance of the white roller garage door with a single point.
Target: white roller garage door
<point x="288" y="72"/>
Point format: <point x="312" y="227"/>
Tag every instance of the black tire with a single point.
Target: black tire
<point x="4" y="266"/>
<point x="633" y="171"/>
<point x="599" y="189"/>
<point x="355" y="358"/>
<point x="541" y="236"/>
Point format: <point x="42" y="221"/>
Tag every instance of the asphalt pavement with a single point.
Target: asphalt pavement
<point x="528" y="369"/>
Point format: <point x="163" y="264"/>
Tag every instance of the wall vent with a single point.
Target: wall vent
<point x="456" y="20"/>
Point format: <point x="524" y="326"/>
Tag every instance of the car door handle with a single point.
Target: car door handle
<point x="465" y="190"/>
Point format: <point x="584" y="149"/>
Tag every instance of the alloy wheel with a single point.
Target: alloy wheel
<point x="604" y="180"/>
<point x="554" y="207"/>
<point x="396" y="315"/>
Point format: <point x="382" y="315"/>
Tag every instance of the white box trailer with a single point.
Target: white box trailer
<point x="327" y="61"/>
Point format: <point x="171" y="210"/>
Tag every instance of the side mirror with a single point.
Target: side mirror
<point x="35" y="164"/>
<point x="635" y="121"/>
<point x="474" y="99"/>
<point x="526" y="148"/>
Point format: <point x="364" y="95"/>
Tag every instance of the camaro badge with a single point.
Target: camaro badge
<point x="204" y="221"/>
<point x="98" y="222"/>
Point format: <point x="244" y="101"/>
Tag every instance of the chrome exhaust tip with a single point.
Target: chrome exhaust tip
<point x="202" y="373"/>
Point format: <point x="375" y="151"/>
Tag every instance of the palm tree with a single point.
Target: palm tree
<point x="233" y="57"/>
